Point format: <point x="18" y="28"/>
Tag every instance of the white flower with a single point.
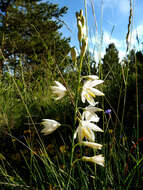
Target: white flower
<point x="99" y="159"/>
<point x="50" y="126"/>
<point x="89" y="113"/>
<point x="59" y="90"/>
<point x="89" y="92"/>
<point x="92" y="145"/>
<point x="85" y="129"/>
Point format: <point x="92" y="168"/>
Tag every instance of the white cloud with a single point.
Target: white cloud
<point x="122" y="6"/>
<point x="107" y="39"/>
<point x="136" y="33"/>
<point x="122" y="54"/>
<point x="120" y="44"/>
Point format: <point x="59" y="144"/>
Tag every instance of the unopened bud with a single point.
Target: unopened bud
<point x="83" y="21"/>
<point x="84" y="46"/>
<point x="81" y="13"/>
<point x="80" y="33"/>
<point x="73" y="54"/>
<point x="79" y="24"/>
<point x="77" y="15"/>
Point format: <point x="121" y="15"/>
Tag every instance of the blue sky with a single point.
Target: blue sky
<point x="109" y="14"/>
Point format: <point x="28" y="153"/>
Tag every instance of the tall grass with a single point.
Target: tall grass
<point x="32" y="161"/>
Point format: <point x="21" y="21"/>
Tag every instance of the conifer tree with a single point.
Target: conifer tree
<point x="111" y="64"/>
<point x="134" y="100"/>
<point x="29" y="32"/>
<point x="112" y="74"/>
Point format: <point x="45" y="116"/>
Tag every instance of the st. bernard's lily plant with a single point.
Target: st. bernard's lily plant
<point x="88" y="119"/>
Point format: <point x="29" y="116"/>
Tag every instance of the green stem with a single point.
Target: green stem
<point x="75" y="116"/>
<point x="77" y="90"/>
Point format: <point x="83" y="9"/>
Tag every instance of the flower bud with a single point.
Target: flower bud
<point x="79" y="24"/>
<point x="83" y="21"/>
<point x="84" y="46"/>
<point x="81" y="13"/>
<point x="92" y="145"/>
<point x="80" y="33"/>
<point x="77" y="15"/>
<point x="73" y="54"/>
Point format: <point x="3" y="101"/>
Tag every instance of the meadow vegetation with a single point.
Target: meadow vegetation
<point x="33" y="55"/>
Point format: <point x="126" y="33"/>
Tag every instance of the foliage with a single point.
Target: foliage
<point x="134" y="101"/>
<point x="29" y="34"/>
<point x="89" y="64"/>
<point x="112" y="74"/>
<point x="111" y="66"/>
<point x="4" y="4"/>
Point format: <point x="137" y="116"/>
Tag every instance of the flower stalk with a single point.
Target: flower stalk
<point x="88" y="119"/>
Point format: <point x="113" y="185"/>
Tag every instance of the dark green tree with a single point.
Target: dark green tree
<point x="89" y="64"/>
<point x="111" y="64"/>
<point x="134" y="100"/>
<point x="4" y="4"/>
<point x="29" y="34"/>
<point x="113" y="80"/>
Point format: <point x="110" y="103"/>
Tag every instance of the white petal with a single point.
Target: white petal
<point x="93" y="108"/>
<point x="93" y="77"/>
<point x="60" y="96"/>
<point x="60" y="85"/>
<point x="90" y="99"/>
<point x="96" y="92"/>
<point x="98" y="159"/>
<point x="75" y="134"/>
<point x="87" y="84"/>
<point x="95" y="82"/>
<point x="92" y="145"/>
<point x="80" y="134"/>
<point x="92" y="136"/>
<point x="90" y="116"/>
<point x="83" y="96"/>
<point x="93" y="117"/>
<point x="59" y="90"/>
<point x="90" y="108"/>
<point x="49" y="126"/>
<point x="88" y="92"/>
<point x="95" y="127"/>
<point x="91" y="126"/>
